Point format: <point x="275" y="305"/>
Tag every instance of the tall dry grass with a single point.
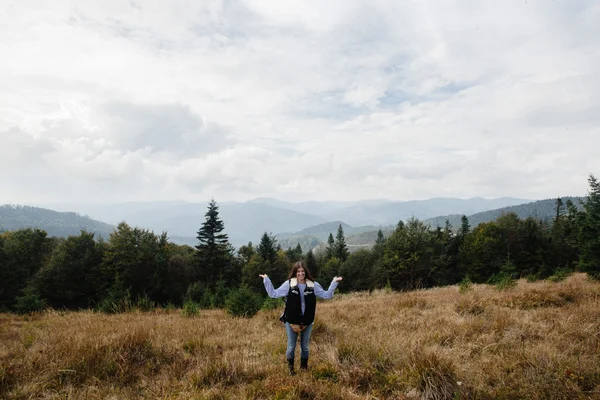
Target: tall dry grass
<point x="536" y="341"/>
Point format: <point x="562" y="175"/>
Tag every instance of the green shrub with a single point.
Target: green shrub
<point x="143" y="303"/>
<point x="243" y="302"/>
<point x="505" y="278"/>
<point x="220" y="295"/>
<point x="465" y="285"/>
<point x="189" y="309"/>
<point x="194" y="292"/>
<point x="504" y="282"/>
<point x="560" y="274"/>
<point x="272" y="304"/>
<point x="30" y="302"/>
<point x="117" y="300"/>
<point x="115" y="306"/>
<point x="388" y="286"/>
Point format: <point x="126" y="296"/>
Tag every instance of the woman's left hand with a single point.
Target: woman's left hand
<point x="337" y="278"/>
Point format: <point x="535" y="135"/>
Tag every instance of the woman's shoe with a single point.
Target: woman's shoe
<point x="304" y="363"/>
<point x="290" y="362"/>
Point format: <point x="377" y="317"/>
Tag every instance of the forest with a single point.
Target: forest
<point x="136" y="268"/>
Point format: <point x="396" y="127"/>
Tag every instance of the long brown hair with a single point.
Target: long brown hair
<point x="294" y="271"/>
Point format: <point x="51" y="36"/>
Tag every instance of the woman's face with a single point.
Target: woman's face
<point x="300" y="273"/>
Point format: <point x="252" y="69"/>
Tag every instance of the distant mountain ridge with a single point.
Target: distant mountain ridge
<point x="247" y="221"/>
<point x="14" y="217"/>
<point x="385" y="212"/>
<point x="360" y="237"/>
<point x="541" y="209"/>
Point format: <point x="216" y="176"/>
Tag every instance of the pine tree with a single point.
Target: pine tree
<point x="447" y="232"/>
<point x="465" y="228"/>
<point x="246" y="252"/>
<point x="590" y="231"/>
<point x="311" y="263"/>
<point x="559" y="209"/>
<point x="330" y="249"/>
<point x="379" y="245"/>
<point x="341" y="249"/>
<point x="213" y="246"/>
<point x="267" y="248"/>
<point x="67" y="280"/>
<point x="380" y="238"/>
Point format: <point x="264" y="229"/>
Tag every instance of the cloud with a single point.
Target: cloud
<point x="299" y="100"/>
<point x="171" y="128"/>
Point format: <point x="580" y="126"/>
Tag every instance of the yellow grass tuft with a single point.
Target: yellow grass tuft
<point x="537" y="340"/>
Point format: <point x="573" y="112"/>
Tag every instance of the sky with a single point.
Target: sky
<point x="297" y="100"/>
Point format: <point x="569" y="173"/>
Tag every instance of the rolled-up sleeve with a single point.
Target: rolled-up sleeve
<point x="281" y="291"/>
<point x="319" y="292"/>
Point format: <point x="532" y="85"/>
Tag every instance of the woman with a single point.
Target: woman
<point x="301" y="292"/>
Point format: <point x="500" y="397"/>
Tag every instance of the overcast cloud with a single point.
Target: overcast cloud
<point x="297" y="100"/>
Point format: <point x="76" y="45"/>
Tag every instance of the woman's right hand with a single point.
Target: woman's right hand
<point x="262" y="275"/>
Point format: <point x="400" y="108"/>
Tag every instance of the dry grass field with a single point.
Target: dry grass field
<point x="537" y="340"/>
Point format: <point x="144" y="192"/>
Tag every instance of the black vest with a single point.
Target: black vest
<point x="293" y="304"/>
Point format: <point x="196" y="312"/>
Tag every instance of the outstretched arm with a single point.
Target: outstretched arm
<point x="319" y="292"/>
<point x="281" y="291"/>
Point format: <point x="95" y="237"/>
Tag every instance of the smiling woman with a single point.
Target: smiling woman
<point x="301" y="292"/>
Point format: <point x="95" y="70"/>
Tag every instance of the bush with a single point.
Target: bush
<point x="194" y="292"/>
<point x="388" y="286"/>
<point x="243" y="302"/>
<point x="117" y="300"/>
<point x="115" y="306"/>
<point x="189" y="309"/>
<point x="504" y="282"/>
<point x="144" y="303"/>
<point x="465" y="285"/>
<point x="220" y="294"/>
<point x="30" y="302"/>
<point x="505" y="278"/>
<point x="272" y="304"/>
<point x="560" y="274"/>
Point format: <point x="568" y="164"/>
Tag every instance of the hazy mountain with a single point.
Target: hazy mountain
<point x="247" y="221"/>
<point x="365" y="236"/>
<point x="316" y="236"/>
<point x="55" y="223"/>
<point x="244" y="222"/>
<point x="322" y="231"/>
<point x="392" y="212"/>
<point x="323" y="209"/>
<point x="307" y="242"/>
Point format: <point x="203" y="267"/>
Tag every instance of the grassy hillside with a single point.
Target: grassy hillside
<point x="537" y="341"/>
<point x="53" y="222"/>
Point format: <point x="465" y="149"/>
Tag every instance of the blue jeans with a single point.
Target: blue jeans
<point x="293" y="338"/>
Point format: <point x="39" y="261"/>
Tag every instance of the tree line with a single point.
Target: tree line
<point x="137" y="268"/>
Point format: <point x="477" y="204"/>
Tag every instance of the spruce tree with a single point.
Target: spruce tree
<point x="311" y="263"/>
<point x="213" y="246"/>
<point x="465" y="228"/>
<point x="590" y="231"/>
<point x="267" y="248"/>
<point x="380" y="238"/>
<point x="379" y="245"/>
<point x="559" y="209"/>
<point x="341" y="249"/>
<point x="330" y="249"/>
<point x="298" y="252"/>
